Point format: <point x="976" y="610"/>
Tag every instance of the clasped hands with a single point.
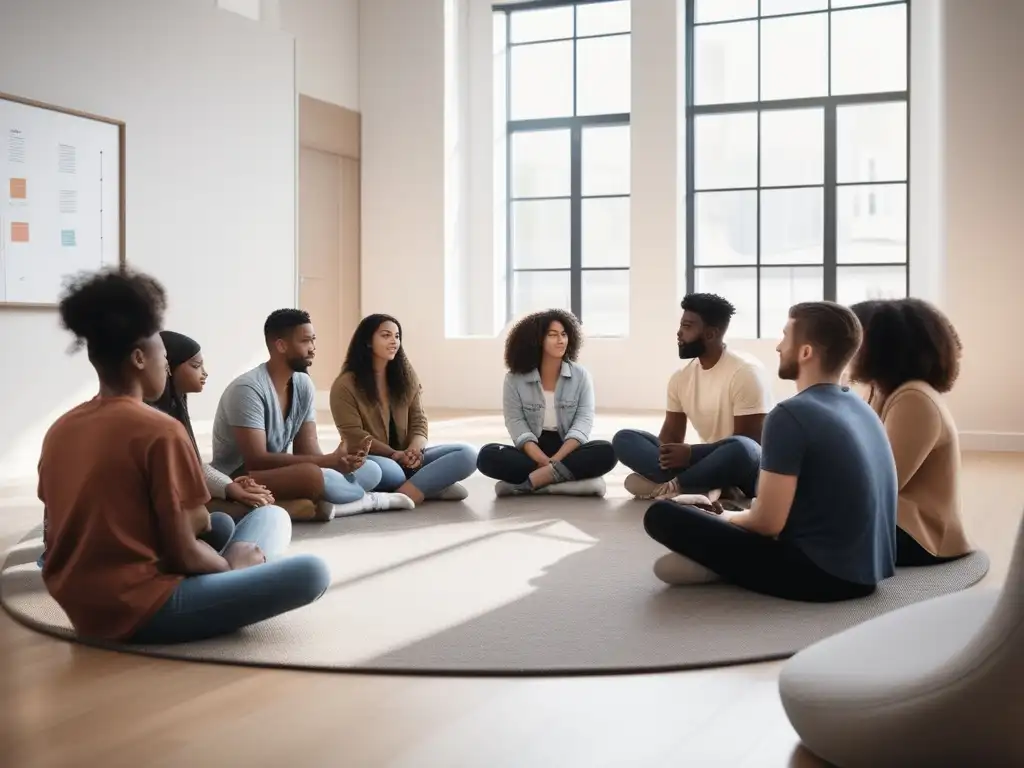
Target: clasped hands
<point x="410" y="458"/>
<point x="247" y="491"/>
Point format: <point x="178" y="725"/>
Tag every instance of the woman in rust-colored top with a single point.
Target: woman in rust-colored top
<point x="909" y="357"/>
<point x="124" y="496"/>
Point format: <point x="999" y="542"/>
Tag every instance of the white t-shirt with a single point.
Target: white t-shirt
<point x="735" y="386"/>
<point x="550" y="414"/>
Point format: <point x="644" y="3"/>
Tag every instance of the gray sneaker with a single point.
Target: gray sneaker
<point x="454" y="492"/>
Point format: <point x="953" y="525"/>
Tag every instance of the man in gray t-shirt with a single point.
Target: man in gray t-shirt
<point x="251" y="402"/>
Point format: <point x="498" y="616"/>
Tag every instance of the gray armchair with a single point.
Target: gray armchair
<point x="938" y="683"/>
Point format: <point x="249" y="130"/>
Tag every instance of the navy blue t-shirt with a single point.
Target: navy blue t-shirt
<point x="844" y="512"/>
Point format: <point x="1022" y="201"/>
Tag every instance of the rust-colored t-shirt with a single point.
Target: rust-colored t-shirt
<point x="114" y="474"/>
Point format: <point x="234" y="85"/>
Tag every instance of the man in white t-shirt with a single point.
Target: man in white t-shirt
<point x="724" y="394"/>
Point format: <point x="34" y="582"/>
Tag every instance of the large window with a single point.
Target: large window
<point x="563" y="100"/>
<point x="797" y="153"/>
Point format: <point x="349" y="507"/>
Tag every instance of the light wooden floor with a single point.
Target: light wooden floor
<point x="65" y="705"/>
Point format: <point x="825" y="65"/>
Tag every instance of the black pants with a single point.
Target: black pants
<point x="508" y="463"/>
<point x="746" y="559"/>
<point x="910" y="553"/>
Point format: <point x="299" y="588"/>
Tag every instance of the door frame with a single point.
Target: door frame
<point x="334" y="130"/>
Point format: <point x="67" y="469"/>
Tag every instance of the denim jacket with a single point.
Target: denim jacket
<point x="523" y="404"/>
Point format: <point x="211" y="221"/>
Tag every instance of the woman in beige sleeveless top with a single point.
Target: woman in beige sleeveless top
<point x="909" y="356"/>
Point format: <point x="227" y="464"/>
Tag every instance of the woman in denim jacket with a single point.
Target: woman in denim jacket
<point x="548" y="403"/>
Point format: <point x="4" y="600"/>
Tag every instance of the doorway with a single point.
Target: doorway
<point x="329" y="231"/>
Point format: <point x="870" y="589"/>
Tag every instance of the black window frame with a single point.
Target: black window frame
<point x="576" y="124"/>
<point x="829" y="105"/>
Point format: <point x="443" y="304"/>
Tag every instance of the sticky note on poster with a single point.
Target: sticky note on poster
<point x="19" y="189"/>
<point x="67" y="238"/>
<point x="19" y="231"/>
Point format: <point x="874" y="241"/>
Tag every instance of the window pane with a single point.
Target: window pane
<point x="792" y="147"/>
<point x="541" y="162"/>
<point x="869" y="50"/>
<point x="725" y="63"/>
<point x="602" y="18"/>
<point x="738" y="286"/>
<point x="775" y="7"/>
<point x="855" y="284"/>
<point x="534" y="291"/>
<point x="794" y="57"/>
<point x="725" y="228"/>
<point x="541" y="234"/>
<point x="605" y="232"/>
<point x="793" y="226"/>
<point x="871" y="223"/>
<point x="541" y="81"/>
<point x="542" y="24"/>
<point x="781" y="288"/>
<point x="605" y="160"/>
<point x="725" y="151"/>
<point x="871" y="142"/>
<point x="602" y="75"/>
<point x="721" y="10"/>
<point x="605" y="302"/>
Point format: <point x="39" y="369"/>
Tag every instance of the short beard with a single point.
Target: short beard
<point x="692" y="349"/>
<point x="789" y="371"/>
<point x="298" y="364"/>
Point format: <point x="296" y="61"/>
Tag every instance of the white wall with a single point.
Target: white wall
<point x="402" y="81"/>
<point x="208" y="99"/>
<point x="327" y="47"/>
<point x="984" y="232"/>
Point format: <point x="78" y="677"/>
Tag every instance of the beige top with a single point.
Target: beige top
<point x="734" y="386"/>
<point x="926" y="447"/>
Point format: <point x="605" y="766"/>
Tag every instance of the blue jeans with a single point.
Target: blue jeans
<point x="219" y="603"/>
<point x="342" y="489"/>
<point x="730" y="463"/>
<point x="443" y="465"/>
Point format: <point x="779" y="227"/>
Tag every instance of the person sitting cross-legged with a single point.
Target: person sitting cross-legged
<point x="376" y="401"/>
<point x="548" y="404"/>
<point x="723" y="394"/>
<point x="823" y="525"/>
<point x="911" y="354"/>
<point x="266" y="410"/>
<point x="124" y="496"/>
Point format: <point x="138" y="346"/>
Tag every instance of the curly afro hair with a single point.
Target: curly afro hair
<point x="524" y="346"/>
<point x="110" y="312"/>
<point x="906" y="340"/>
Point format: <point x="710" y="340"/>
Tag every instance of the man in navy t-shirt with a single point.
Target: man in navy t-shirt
<point x="823" y="526"/>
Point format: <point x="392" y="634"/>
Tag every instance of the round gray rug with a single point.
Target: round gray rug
<point x="545" y="585"/>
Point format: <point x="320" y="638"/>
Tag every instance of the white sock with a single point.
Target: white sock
<point x="374" y="502"/>
<point x="676" y="570"/>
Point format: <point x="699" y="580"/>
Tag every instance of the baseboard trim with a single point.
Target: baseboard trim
<point x="1002" y="442"/>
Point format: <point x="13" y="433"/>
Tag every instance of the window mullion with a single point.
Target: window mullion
<point x="576" y="222"/>
<point x="830" y="234"/>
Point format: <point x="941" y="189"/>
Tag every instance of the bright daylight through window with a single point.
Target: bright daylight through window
<point x="564" y="99"/>
<point x="796" y="153"/>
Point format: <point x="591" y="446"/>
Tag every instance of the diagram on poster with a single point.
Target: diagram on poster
<point x="60" y="199"/>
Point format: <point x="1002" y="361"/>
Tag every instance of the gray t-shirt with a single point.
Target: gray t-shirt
<point x="251" y="401"/>
<point x="844" y="512"/>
